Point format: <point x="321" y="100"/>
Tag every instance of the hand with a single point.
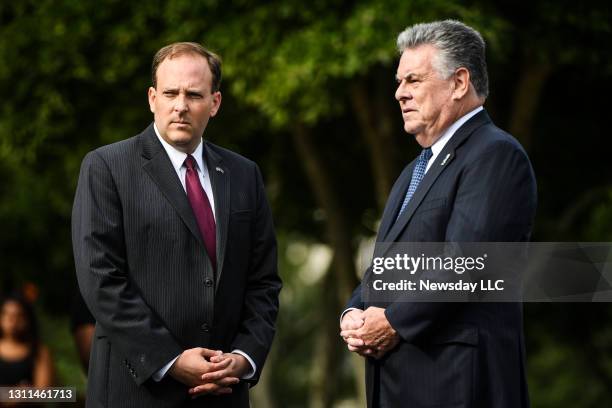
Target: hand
<point x="237" y="367"/>
<point x="375" y="338"/>
<point x="353" y="320"/>
<point x="192" y="363"/>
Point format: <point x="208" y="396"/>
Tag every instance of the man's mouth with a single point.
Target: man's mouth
<point x="406" y="112"/>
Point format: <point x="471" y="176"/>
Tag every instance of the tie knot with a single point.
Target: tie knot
<point x="190" y="162"/>
<point x="426" y="154"/>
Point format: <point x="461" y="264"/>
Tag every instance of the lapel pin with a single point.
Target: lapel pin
<point x="448" y="155"/>
<point x="219" y="169"/>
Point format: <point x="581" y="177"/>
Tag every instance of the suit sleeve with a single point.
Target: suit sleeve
<point x="103" y="274"/>
<point x="495" y="202"/>
<point x="260" y="306"/>
<point x="355" y="301"/>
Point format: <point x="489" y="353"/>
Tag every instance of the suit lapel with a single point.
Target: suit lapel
<point x="220" y="181"/>
<point x="160" y="169"/>
<point x="431" y="176"/>
<point x="442" y="161"/>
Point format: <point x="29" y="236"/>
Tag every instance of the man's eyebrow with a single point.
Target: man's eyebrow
<point x="407" y="76"/>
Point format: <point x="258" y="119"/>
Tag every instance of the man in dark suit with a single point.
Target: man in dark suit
<point x="472" y="182"/>
<point x="175" y="253"/>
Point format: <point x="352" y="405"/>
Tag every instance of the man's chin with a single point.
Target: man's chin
<point x="180" y="139"/>
<point x="410" y="128"/>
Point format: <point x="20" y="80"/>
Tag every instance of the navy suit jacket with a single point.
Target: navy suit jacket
<point x="480" y="188"/>
<point x="147" y="279"/>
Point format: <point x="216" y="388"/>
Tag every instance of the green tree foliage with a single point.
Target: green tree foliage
<point x="308" y="93"/>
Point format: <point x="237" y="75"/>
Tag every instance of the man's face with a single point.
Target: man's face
<point x="182" y="102"/>
<point x="424" y="97"/>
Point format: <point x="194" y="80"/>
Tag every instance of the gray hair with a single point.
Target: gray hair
<point x="459" y="46"/>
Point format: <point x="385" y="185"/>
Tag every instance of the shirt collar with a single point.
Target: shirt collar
<point x="177" y="157"/>
<point x="437" y="147"/>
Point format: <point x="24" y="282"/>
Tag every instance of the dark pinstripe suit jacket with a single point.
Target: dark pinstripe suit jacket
<point x="144" y="273"/>
<point x="480" y="188"/>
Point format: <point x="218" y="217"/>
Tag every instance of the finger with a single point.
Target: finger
<point x="352" y="341"/>
<point x="203" y="389"/>
<point x="214" y="376"/>
<point x="349" y="324"/>
<point x="208" y="353"/>
<point x="214" y="388"/>
<point x="220" y="357"/>
<point x="227" y="381"/>
<point x="218" y="366"/>
<point x="367" y="352"/>
<point x="382" y="347"/>
<point x="223" y="391"/>
<point x="350" y="333"/>
<point x="354" y="325"/>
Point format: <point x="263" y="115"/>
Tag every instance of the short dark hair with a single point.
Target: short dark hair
<point x="181" y="48"/>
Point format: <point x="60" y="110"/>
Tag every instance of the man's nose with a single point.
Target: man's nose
<point x="401" y="92"/>
<point x="181" y="104"/>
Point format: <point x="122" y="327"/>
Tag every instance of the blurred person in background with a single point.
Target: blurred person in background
<point x="24" y="360"/>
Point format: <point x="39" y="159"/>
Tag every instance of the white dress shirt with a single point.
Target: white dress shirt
<point x="178" y="162"/>
<point x="439" y="144"/>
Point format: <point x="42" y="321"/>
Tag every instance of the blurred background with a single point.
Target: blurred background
<point x="308" y="94"/>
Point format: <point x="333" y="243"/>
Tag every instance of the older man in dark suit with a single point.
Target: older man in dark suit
<point x="472" y="182"/>
<point x="175" y="253"/>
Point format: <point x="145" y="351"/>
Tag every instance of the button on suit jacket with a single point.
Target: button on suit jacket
<point x="480" y="188"/>
<point x="144" y="272"/>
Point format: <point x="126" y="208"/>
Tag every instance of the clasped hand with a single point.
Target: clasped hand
<point x="208" y="371"/>
<point x="368" y="333"/>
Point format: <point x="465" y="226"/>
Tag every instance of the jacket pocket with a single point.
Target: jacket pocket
<point x="432" y="204"/>
<point x="242" y="215"/>
<point x="467" y="335"/>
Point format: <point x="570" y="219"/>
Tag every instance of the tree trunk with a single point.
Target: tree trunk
<point x="327" y="357"/>
<point x="376" y="126"/>
<point x="337" y="228"/>
<point x="338" y="283"/>
<point x="527" y="98"/>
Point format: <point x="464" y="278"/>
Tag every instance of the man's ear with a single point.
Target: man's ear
<point x="461" y="80"/>
<point x="152" y="93"/>
<point x="216" y="103"/>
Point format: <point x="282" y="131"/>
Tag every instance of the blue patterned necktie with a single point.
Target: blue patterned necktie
<point x="417" y="175"/>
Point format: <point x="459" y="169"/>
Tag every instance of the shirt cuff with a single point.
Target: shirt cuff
<point x="346" y="311"/>
<point x="251" y="373"/>
<point x="158" y="376"/>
